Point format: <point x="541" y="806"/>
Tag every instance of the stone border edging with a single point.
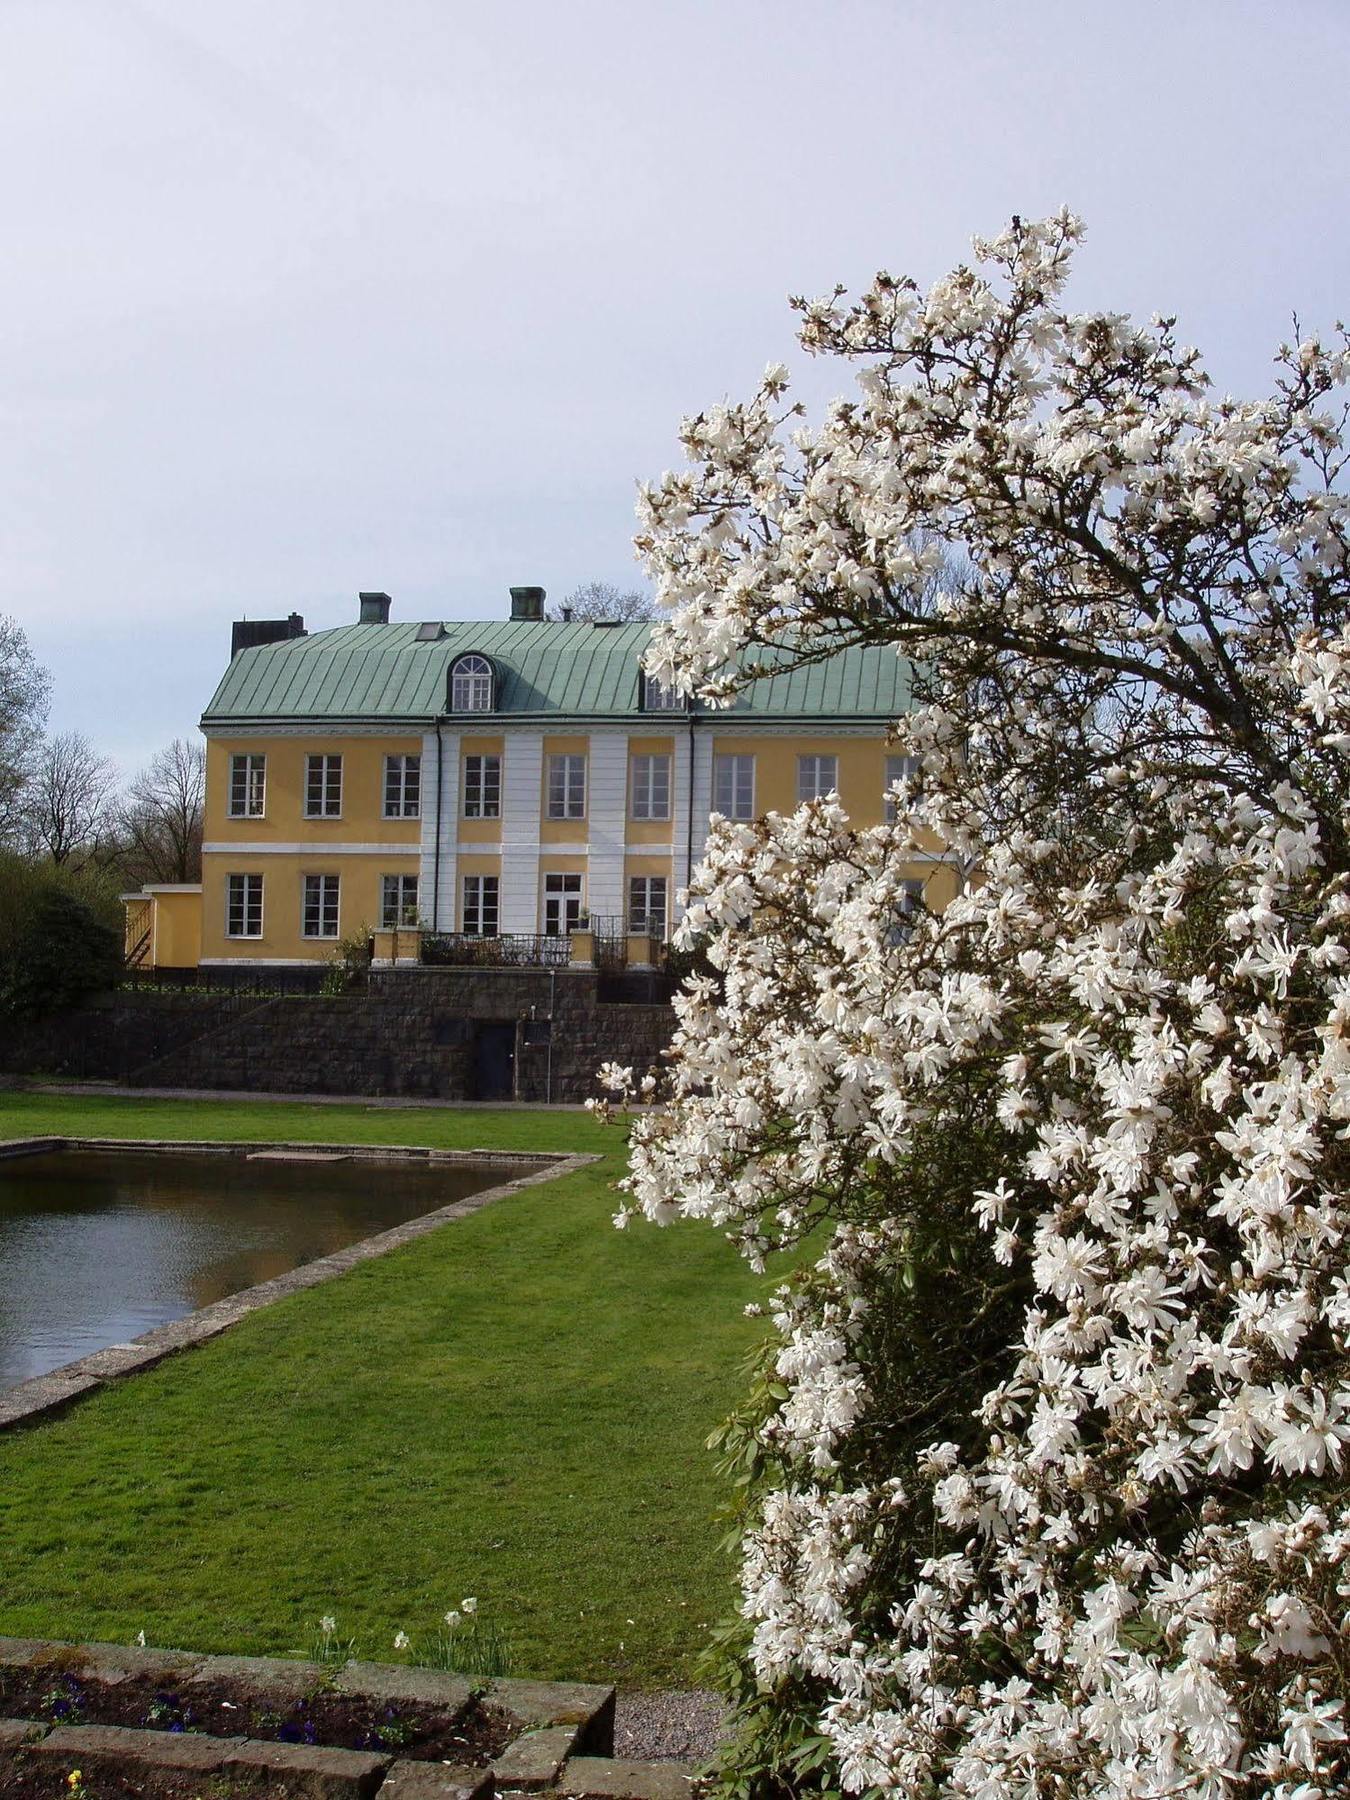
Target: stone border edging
<point x="565" y="1750"/>
<point x="46" y="1394"/>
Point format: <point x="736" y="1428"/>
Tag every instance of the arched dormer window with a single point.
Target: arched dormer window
<point x="471" y="684"/>
<point x="657" y="697"/>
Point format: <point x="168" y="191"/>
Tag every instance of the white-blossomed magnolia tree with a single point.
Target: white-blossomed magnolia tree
<point x="1048" y="1463"/>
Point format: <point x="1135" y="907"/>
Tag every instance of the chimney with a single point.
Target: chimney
<point x="375" y="609"/>
<point x="527" y="603"/>
<point x="247" y="634"/>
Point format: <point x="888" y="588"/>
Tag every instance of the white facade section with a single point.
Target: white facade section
<point x="703" y="791"/>
<point x="522" y="787"/>
<point x="680" y="821"/>
<point x="440" y="805"/>
<point x="608" y="816"/>
<point x="600" y="859"/>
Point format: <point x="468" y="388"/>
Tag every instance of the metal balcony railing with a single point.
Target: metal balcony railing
<point x="506" y="950"/>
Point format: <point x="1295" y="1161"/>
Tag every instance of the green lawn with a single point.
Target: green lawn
<point x="514" y="1408"/>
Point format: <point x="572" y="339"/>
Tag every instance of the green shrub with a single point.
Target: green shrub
<point x="54" y="952"/>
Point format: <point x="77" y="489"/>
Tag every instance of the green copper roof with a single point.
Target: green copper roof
<point x="544" y="671"/>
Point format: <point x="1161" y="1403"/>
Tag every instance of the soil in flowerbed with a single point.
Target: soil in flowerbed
<point x="472" y="1735"/>
<point x="20" y="1781"/>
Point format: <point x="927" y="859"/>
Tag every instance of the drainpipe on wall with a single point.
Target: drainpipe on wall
<point x="436" y="865"/>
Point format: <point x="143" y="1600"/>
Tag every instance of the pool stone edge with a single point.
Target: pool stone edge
<point x="45" y="1395"/>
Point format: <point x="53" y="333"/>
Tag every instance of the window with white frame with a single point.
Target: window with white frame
<point x="566" y="787"/>
<point x="649" y="787"/>
<point x="471" y="685"/>
<point x="248" y="787"/>
<point x="402" y="787"/>
<point x="816" y="777"/>
<point x="898" y="768"/>
<point x="482" y="787"/>
<point x="398" y="901"/>
<point x="647" y="905"/>
<point x="734" y="786"/>
<point x="658" y="697"/>
<point x="243" y="906"/>
<point x="323" y="787"/>
<point x="319" y="907"/>
<point x="562" y="904"/>
<point x="481" y="900"/>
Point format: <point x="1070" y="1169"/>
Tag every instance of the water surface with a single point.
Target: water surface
<point x="97" y="1247"/>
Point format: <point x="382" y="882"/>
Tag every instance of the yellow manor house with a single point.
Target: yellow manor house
<point x="488" y="778"/>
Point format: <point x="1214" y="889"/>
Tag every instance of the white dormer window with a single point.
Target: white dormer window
<point x="471" y="685"/>
<point x="657" y="697"/>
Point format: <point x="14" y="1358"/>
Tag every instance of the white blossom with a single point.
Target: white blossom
<point x="1134" y="1018"/>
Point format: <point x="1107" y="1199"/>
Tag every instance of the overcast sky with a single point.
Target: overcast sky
<point x="307" y="296"/>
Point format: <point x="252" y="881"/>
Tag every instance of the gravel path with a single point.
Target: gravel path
<point x="668" y="1727"/>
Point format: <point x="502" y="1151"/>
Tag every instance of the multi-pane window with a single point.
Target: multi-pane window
<point x="319" y="912"/>
<point x="480" y="911"/>
<point x="398" y="901"/>
<point x="567" y="787"/>
<point x="898" y="768"/>
<point x="323" y="787"/>
<point x="243" y="906"/>
<point x="402" y="787"/>
<point x="248" y="787"/>
<point x="734" y="786"/>
<point x="816" y="777"/>
<point x="657" y="697"/>
<point x="562" y="904"/>
<point x="471" y="685"/>
<point x="650" y="787"/>
<point x="647" y="905"/>
<point x="482" y="787"/>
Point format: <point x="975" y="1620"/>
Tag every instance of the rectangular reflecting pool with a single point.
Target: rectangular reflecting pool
<point x="98" y="1246"/>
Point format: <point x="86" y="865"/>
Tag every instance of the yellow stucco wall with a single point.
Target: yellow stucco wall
<point x="862" y="769"/>
<point x="283" y="891"/>
<point x="284" y="845"/>
<point x="177" y="942"/>
<point x="290" y="845"/>
<point x="362" y="819"/>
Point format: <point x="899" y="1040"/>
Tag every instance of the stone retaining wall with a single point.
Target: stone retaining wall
<point x="106" y="1040"/>
<point x="563" y="1747"/>
<point x="417" y="1032"/>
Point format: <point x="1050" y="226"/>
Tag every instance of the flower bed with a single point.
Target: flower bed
<point x="101" y="1722"/>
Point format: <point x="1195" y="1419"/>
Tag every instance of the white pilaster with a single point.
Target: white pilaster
<point x="679" y="817"/>
<point x="703" y="790"/>
<point x="436" y="896"/>
<point x="607" y="807"/>
<point x="522" y="777"/>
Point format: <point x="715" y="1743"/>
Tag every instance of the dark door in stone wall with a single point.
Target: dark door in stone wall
<point x="494" y="1061"/>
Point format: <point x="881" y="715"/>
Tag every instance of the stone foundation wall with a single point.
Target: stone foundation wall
<point x="107" y="1040"/>
<point x="417" y="1032"/>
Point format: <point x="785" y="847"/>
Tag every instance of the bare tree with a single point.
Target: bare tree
<point x="23" y="709"/>
<point x="162" y="818"/>
<point x="602" y="600"/>
<point x="70" y="805"/>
